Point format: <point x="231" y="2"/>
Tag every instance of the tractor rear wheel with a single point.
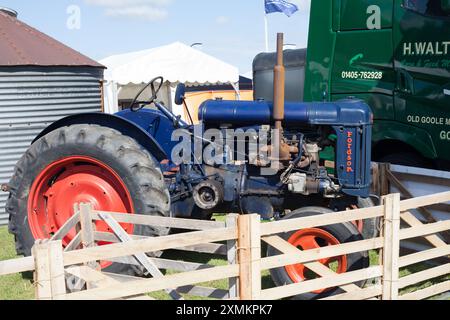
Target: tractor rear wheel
<point x="312" y="238"/>
<point x="90" y="164"/>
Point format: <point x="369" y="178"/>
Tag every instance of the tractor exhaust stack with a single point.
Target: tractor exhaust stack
<point x="279" y="79"/>
<point x="279" y="85"/>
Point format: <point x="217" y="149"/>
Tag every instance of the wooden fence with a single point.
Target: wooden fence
<point x="239" y="239"/>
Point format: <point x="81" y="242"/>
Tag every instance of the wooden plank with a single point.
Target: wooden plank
<point x="42" y="275"/>
<point x="424" y="201"/>
<point x="391" y="248"/>
<point x="412" y="221"/>
<point x="424" y="256"/>
<point x="87" y="228"/>
<point x="320" y="283"/>
<point x="69" y="225"/>
<point x="58" y="280"/>
<point x="49" y="275"/>
<point x="321" y="220"/>
<point x="87" y="232"/>
<point x="249" y="256"/>
<point x="165" y="264"/>
<point x="213" y="248"/>
<point x="232" y="256"/>
<point x="362" y="294"/>
<point x="74" y="243"/>
<point x="178" y="223"/>
<point x="145" y="261"/>
<point x="384" y="182"/>
<point x="101" y="279"/>
<point x="156" y="284"/>
<point x="16" y="266"/>
<point x="321" y="253"/>
<point x="425" y="229"/>
<point x="205" y="292"/>
<point x="424" y="275"/>
<point x="112" y="238"/>
<point x="95" y="277"/>
<point x="316" y="267"/>
<point x="427" y="292"/>
<point x="191" y="290"/>
<point x="376" y="180"/>
<point x="148" y="245"/>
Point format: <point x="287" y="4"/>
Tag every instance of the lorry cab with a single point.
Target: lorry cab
<point x="393" y="54"/>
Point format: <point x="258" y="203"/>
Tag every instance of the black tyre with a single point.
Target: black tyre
<point x="327" y="235"/>
<point x="83" y="163"/>
<point x="369" y="228"/>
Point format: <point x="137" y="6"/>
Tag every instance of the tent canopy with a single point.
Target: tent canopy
<point x="176" y="62"/>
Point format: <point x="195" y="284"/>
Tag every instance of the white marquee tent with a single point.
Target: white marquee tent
<point x="177" y="63"/>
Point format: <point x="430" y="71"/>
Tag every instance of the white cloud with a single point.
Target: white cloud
<point x="222" y="20"/>
<point x="151" y="10"/>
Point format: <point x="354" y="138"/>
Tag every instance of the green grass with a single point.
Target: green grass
<point x="12" y="287"/>
<point x="17" y="287"/>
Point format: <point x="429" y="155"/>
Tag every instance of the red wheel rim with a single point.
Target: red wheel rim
<point x="313" y="238"/>
<point x="74" y="180"/>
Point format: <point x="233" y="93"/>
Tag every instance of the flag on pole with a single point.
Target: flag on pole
<point x="280" y="6"/>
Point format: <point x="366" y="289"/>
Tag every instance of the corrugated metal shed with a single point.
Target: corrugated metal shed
<point x="38" y="88"/>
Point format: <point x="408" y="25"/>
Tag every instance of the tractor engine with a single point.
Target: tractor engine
<point x="251" y="179"/>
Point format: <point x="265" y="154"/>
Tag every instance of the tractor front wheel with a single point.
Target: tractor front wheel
<point x="89" y="164"/>
<point x="313" y="238"/>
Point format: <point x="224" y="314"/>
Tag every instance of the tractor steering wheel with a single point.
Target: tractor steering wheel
<point x="155" y="91"/>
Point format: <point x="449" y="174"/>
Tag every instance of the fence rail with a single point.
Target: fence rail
<point x="239" y="240"/>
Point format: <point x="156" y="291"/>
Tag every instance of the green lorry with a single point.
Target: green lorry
<point x="395" y="55"/>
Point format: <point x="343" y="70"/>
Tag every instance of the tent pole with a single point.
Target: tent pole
<point x="266" y="29"/>
<point x="237" y="90"/>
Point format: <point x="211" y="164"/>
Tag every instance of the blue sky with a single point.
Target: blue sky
<point x="232" y="30"/>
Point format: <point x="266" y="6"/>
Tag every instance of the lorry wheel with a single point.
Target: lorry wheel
<point x="408" y="159"/>
<point x="311" y="238"/>
<point x="90" y="164"/>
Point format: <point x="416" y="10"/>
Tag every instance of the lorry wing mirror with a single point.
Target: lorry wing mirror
<point x="445" y="5"/>
<point x="179" y="94"/>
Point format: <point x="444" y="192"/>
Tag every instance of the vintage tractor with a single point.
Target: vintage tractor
<point x="149" y="161"/>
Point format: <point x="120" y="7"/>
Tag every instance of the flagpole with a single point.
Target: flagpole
<point x="266" y="29"/>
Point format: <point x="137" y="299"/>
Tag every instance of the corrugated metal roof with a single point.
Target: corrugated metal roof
<point x="22" y="45"/>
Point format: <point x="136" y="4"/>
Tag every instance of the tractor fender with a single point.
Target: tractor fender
<point x="119" y="123"/>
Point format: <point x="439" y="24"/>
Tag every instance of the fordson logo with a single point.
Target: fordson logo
<point x="349" y="152"/>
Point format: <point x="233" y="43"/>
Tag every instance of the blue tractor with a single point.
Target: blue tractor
<point x="149" y="161"/>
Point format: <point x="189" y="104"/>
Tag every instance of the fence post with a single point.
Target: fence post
<point x="249" y="253"/>
<point x="232" y="256"/>
<point x="384" y="181"/>
<point x="391" y="249"/>
<point x="49" y="276"/>
<point x="87" y="233"/>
